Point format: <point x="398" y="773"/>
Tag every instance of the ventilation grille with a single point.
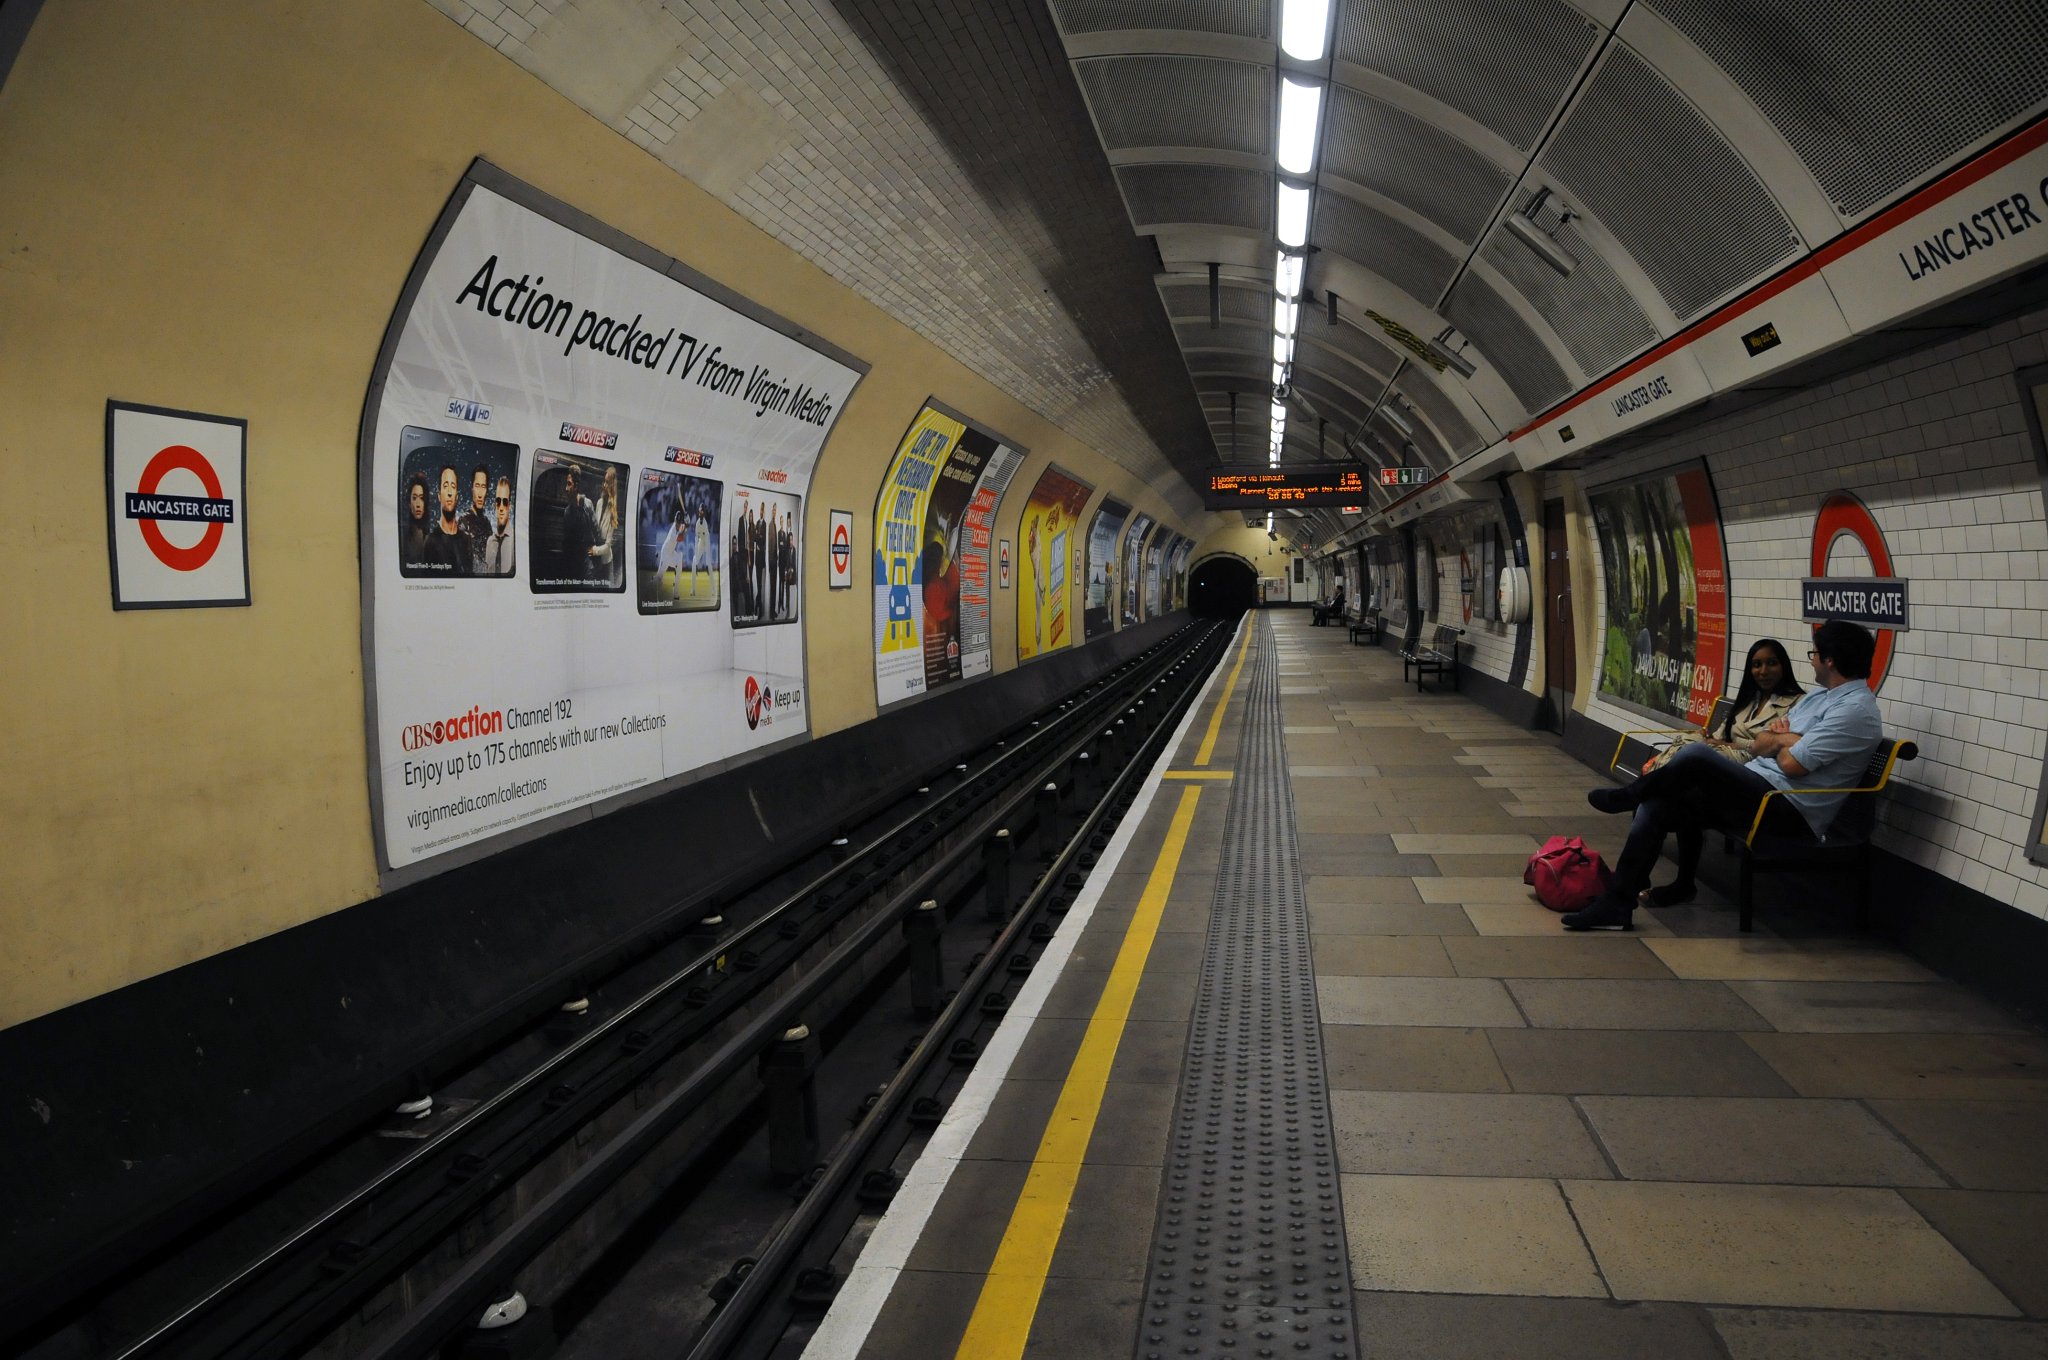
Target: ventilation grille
<point x="1342" y="408"/>
<point x="1388" y="247"/>
<point x="1421" y="167"/>
<point x="1160" y="194"/>
<point x="1347" y="339"/>
<point x="1194" y="335"/>
<point x="1179" y="101"/>
<point x="1239" y="18"/>
<point x="1504" y="340"/>
<point x="1242" y="372"/>
<point x="1442" y="412"/>
<point x="1238" y="304"/>
<point x="1876" y="95"/>
<point x="1503" y="63"/>
<point x="1669" y="187"/>
<point x="1589" y="309"/>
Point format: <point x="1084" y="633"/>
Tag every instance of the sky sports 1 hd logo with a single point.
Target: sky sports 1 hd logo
<point x="764" y="703"/>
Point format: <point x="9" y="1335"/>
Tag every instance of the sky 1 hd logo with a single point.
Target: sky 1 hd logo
<point x="765" y="704"/>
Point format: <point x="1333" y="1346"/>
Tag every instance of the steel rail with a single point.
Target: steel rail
<point x="1008" y="766"/>
<point x="736" y="1323"/>
<point x="460" y="1299"/>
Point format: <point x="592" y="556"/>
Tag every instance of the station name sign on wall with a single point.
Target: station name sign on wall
<point x="1874" y="602"/>
<point x="1330" y="484"/>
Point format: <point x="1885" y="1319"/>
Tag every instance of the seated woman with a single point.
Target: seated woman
<point x="1767" y="693"/>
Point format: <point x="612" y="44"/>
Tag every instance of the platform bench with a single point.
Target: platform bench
<point x="1436" y="661"/>
<point x="1366" y="629"/>
<point x="1847" y="847"/>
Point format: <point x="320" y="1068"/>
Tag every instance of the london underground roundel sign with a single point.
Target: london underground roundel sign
<point x="177" y="529"/>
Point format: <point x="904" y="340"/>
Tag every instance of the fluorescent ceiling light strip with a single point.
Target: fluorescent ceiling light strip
<point x="1292" y="215"/>
<point x="1285" y="316"/>
<point x="1304" y="28"/>
<point x="1287" y="275"/>
<point x="1300" y="113"/>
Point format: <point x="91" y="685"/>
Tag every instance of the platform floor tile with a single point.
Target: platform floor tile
<point x="1415" y="1001"/>
<point x="1382" y="1058"/>
<point x="1466" y="1235"/>
<point x="1911" y="1066"/>
<point x="1483" y="1327"/>
<point x="1772" y="1334"/>
<point x="1632" y="1003"/>
<point x="1796" y="1246"/>
<point x="1745" y="1139"/>
<point x="1633" y="1062"/>
<point x="1979" y="1144"/>
<point x="1427" y="1133"/>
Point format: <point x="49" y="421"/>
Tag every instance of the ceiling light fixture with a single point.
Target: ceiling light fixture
<point x="1285" y="314"/>
<point x="1454" y="358"/>
<point x="1529" y="231"/>
<point x="1301" y="108"/>
<point x="1304" y="28"/>
<point x="1287" y="275"/>
<point x="1292" y="215"/>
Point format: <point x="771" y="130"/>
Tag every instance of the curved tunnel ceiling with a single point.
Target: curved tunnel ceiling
<point x="1674" y="152"/>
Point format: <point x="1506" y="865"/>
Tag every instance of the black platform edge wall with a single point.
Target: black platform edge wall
<point x="205" y="1080"/>
<point x="1970" y="937"/>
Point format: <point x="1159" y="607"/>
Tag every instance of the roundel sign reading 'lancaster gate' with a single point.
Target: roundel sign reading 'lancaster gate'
<point x="1877" y="601"/>
<point x="176" y="528"/>
<point x="841" y="577"/>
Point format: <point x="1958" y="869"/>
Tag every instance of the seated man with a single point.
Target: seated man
<point x="1322" y="613"/>
<point x="1823" y="743"/>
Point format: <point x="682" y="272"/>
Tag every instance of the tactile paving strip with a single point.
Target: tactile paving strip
<point x="1248" y="1258"/>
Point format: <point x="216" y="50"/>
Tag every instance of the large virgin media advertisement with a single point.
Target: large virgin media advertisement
<point x="583" y="493"/>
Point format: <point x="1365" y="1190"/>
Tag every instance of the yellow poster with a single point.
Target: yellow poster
<point x="1051" y="537"/>
<point x="899" y="551"/>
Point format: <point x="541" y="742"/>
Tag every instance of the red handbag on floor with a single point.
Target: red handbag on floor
<point x="1565" y="874"/>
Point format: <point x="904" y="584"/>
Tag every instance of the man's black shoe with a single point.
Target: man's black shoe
<point x="1610" y="800"/>
<point x="1604" y="913"/>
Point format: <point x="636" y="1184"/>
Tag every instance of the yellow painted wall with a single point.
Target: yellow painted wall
<point x="213" y="205"/>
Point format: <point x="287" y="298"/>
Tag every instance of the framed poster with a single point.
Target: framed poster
<point x="583" y="471"/>
<point x="935" y="515"/>
<point x="1052" y="536"/>
<point x="1665" y="645"/>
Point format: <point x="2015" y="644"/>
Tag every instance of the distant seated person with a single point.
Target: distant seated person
<point x="1766" y="694"/>
<point x="1823" y="742"/>
<point x="1323" y="613"/>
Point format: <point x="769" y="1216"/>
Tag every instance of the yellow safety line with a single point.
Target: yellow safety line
<point x="1223" y="700"/>
<point x="1016" y="1279"/>
<point x="1194" y="774"/>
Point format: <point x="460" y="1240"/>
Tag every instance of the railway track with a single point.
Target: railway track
<point x="395" y="1245"/>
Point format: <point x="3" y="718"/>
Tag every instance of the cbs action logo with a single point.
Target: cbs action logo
<point x="478" y="722"/>
<point x="763" y="703"/>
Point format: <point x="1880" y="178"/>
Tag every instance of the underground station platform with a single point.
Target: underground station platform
<point x="1307" y="1071"/>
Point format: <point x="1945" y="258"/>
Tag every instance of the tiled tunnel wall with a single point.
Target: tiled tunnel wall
<point x="1936" y="444"/>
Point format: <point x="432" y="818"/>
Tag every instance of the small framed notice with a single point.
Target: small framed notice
<point x="177" y="508"/>
<point x="841" y="575"/>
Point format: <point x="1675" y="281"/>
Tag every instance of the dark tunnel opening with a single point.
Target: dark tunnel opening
<point x="1222" y="588"/>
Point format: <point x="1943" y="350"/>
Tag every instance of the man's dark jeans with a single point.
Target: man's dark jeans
<point x="1696" y="790"/>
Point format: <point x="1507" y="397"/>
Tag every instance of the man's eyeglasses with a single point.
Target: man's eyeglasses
<point x="1812" y="655"/>
<point x="504" y="500"/>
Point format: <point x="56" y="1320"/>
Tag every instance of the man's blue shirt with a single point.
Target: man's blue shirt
<point x="1838" y="729"/>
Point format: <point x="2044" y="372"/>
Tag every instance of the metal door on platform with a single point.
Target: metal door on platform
<point x="1560" y="650"/>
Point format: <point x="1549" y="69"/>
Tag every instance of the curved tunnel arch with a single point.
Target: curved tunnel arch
<point x="1222" y="585"/>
